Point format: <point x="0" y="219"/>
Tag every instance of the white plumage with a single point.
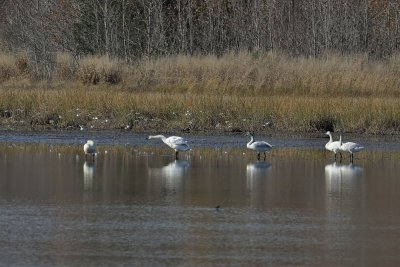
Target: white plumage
<point x="333" y="146"/>
<point x="89" y="148"/>
<point x="259" y="146"/>
<point x="351" y="148"/>
<point x="177" y="143"/>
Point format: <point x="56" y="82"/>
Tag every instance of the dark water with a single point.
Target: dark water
<point x="135" y="206"/>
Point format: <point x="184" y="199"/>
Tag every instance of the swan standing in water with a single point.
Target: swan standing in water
<point x="333" y="146"/>
<point x="350" y="147"/>
<point x="177" y="143"/>
<point x="89" y="148"/>
<point x="259" y="146"/>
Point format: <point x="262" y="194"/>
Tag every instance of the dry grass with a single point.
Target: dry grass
<point x="240" y="74"/>
<point x="93" y="70"/>
<point x="230" y="93"/>
<point x="7" y="67"/>
<point x="100" y="109"/>
<point x="66" y="67"/>
<point x="269" y="74"/>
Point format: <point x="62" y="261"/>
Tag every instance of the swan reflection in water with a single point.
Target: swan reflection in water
<point x="172" y="173"/>
<point x="88" y="173"/>
<point x="341" y="176"/>
<point x="256" y="171"/>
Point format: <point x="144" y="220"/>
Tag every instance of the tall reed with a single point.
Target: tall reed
<point x="234" y="92"/>
<point x="243" y="73"/>
<point x="98" y="109"/>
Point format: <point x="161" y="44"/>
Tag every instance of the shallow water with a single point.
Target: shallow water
<point x="136" y="205"/>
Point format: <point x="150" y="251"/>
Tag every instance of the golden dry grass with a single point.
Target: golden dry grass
<point x="8" y="68"/>
<point x="235" y="92"/>
<point x="240" y="74"/>
<point x="97" y="69"/>
<point x="102" y="109"/>
<point x="269" y="74"/>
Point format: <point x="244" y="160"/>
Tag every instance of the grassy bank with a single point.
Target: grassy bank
<point x="264" y="93"/>
<point x="100" y="109"/>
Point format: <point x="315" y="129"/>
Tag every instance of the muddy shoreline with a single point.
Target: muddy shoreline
<point x="204" y="139"/>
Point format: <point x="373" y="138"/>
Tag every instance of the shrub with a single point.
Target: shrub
<point x="7" y="67"/>
<point x="65" y="66"/>
<point x="22" y="64"/>
<point x="93" y="70"/>
<point x="323" y="123"/>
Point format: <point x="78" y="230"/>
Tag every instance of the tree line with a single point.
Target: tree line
<point x="133" y="29"/>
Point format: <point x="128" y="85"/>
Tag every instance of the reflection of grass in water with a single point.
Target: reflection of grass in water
<point x="206" y="153"/>
<point x="34" y="148"/>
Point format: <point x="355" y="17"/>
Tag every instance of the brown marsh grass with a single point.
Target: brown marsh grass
<point x="142" y="111"/>
<point x="243" y="73"/>
<point x="268" y="74"/>
<point x="235" y="92"/>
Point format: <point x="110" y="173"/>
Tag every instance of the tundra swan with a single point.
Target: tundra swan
<point x="177" y="143"/>
<point x="89" y="148"/>
<point x="351" y="147"/>
<point x="259" y="146"/>
<point x="333" y="146"/>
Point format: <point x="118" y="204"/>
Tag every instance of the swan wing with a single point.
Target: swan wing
<point x="89" y="149"/>
<point x="333" y="146"/>
<point x="260" y="146"/>
<point x="180" y="147"/>
<point x="263" y="143"/>
<point x="176" y="140"/>
<point x="350" y="146"/>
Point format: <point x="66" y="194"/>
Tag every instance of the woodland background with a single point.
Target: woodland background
<point x="134" y="29"/>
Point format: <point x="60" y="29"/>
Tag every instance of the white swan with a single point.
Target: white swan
<point x="350" y="147"/>
<point x="89" y="148"/>
<point x="259" y="146"/>
<point x="333" y="146"/>
<point x="177" y="143"/>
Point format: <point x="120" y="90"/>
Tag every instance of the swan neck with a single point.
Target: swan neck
<point x="162" y="137"/>
<point x="330" y="138"/>
<point x="251" y="140"/>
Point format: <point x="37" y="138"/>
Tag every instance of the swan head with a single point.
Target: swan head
<point x="155" y="136"/>
<point x="90" y="142"/>
<point x="328" y="133"/>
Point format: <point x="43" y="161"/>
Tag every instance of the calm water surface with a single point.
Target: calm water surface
<point x="137" y="206"/>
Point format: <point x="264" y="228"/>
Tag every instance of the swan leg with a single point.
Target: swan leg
<point x="176" y="154"/>
<point x="258" y="155"/>
<point x="265" y="155"/>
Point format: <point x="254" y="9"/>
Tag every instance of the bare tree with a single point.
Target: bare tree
<point x="130" y="29"/>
